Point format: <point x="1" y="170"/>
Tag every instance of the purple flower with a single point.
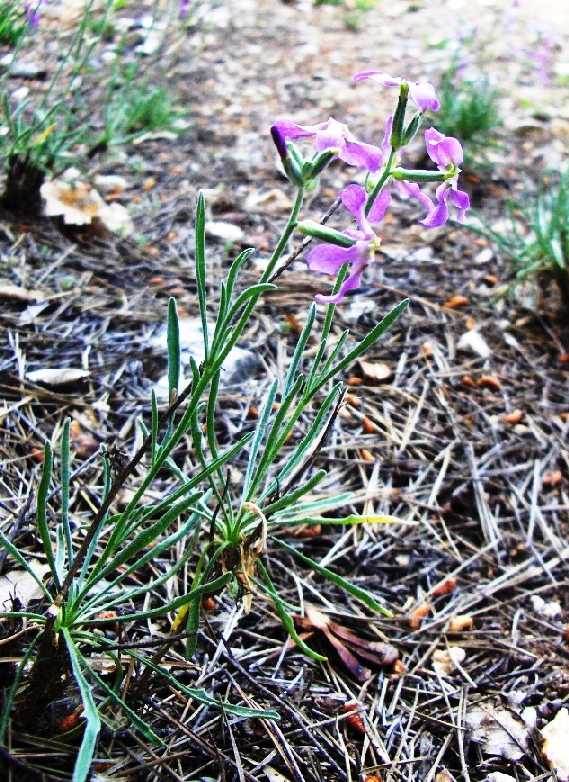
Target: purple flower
<point x="32" y="13"/>
<point x="447" y="153"/>
<point x="183" y="8"/>
<point x="422" y="93"/>
<point x="329" y="136"/>
<point x="443" y="150"/>
<point x="440" y="214"/>
<point x="329" y="258"/>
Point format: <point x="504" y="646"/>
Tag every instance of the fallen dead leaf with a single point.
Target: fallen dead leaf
<point x="489" y="381"/>
<point x="516" y="417"/>
<point x="455" y="302"/>
<point x="460" y="623"/>
<point x="498" y="731"/>
<point x="20" y="294"/>
<point x="474" y="342"/>
<point x="444" y="776"/>
<point x="446" y="661"/>
<point x="274" y="776"/>
<point x="552" y="478"/>
<point x="418" y="614"/>
<point x="21" y="585"/>
<point x="368" y="425"/>
<point x="354" y="720"/>
<point x="445" y="587"/>
<point x="555" y="747"/>
<point x="375" y="370"/>
<point x="57" y="377"/>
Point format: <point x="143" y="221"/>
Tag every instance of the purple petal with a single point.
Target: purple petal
<point x="354" y="199"/>
<point x="381" y="78"/>
<point x="331" y="135"/>
<point x="380" y="206"/>
<point x="289" y="129"/>
<point x="412" y="190"/>
<point x="424" y="96"/>
<point x="462" y="202"/>
<point x="328" y="258"/>
<point x="352" y="281"/>
<point x="443" y="150"/>
<point x="386" y="143"/>
<point x="356" y="153"/>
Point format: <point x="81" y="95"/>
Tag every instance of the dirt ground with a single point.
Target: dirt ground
<point x="470" y="453"/>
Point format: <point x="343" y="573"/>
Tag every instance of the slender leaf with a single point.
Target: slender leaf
<point x="41" y="511"/>
<point x="201" y="269"/>
<point x="360" y="594"/>
<point x="173" y="351"/>
<point x="93" y="726"/>
<point x="285" y="617"/>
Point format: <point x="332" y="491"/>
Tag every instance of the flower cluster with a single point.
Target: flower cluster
<point x="368" y="203"/>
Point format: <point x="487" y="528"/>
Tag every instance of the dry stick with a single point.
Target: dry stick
<point x="116" y="486"/>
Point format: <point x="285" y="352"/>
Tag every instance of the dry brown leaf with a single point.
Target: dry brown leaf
<point x="57" y="377"/>
<point x="456" y="301"/>
<point x="368" y="425"/>
<point x="498" y="731"/>
<point x="460" y="623"/>
<point x="274" y="776"/>
<point x="446" y="661"/>
<point x="445" y="587"/>
<point x="375" y="370"/>
<point x="489" y="381"/>
<point x="513" y="418"/>
<point x="552" y="478"/>
<point x="444" y="776"/>
<point x="21" y="585"/>
<point x="418" y="614"/>
<point x="555" y="747"/>
<point x="20" y="294"/>
<point x="80" y="204"/>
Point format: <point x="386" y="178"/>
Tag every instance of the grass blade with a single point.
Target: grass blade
<point x="41" y="512"/>
<point x="200" y="269"/>
<point x="93" y="726"/>
<point x="173" y="351"/>
<point x="360" y="594"/>
<point x="286" y="619"/>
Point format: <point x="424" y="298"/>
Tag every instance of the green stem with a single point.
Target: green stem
<point x="387" y="171"/>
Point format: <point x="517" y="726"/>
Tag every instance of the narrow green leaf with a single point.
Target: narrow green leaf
<point x="41" y="512"/>
<point x="346" y="521"/>
<point x="139" y="723"/>
<point x="258" y="438"/>
<point x="205" y="589"/>
<point x="154" y="426"/>
<point x="65" y="480"/>
<point x="93" y="721"/>
<point x="366" y="343"/>
<point x="285" y="617"/>
<point x="201" y="269"/>
<point x="173" y="351"/>
<point x="360" y="594"/>
<point x="201" y="695"/>
<point x="9" y="694"/>
<point x="289" y="499"/>
<point x="299" y="349"/>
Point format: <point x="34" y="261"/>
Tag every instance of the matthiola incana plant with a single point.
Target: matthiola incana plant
<point x="174" y="541"/>
<point x="382" y="174"/>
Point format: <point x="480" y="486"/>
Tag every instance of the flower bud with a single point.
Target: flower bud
<point x="320" y="161"/>
<point x="399" y="117"/>
<point x="411" y="130"/>
<point x="318" y="231"/>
